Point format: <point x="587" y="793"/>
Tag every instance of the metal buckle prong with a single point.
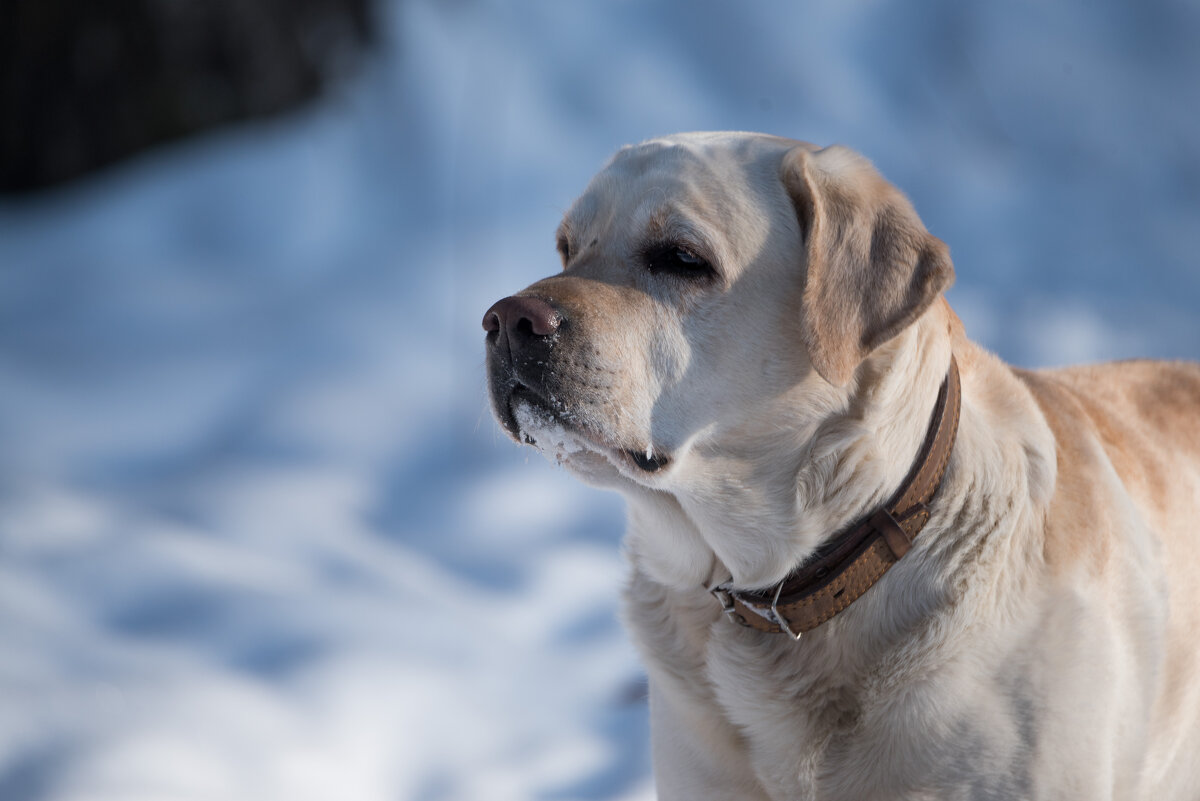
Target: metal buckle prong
<point x="780" y="620"/>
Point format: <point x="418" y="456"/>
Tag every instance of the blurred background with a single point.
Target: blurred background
<point x="259" y="536"/>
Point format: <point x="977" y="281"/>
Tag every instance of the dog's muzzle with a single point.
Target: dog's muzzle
<point x="521" y="330"/>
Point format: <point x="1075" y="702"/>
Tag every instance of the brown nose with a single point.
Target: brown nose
<point x="521" y="317"/>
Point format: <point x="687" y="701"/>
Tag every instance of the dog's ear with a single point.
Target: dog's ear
<point x="872" y="266"/>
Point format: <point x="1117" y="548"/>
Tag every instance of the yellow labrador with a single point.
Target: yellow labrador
<point x="748" y="341"/>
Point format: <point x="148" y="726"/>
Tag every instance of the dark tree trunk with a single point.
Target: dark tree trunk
<point x="85" y="83"/>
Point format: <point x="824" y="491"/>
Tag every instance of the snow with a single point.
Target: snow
<point x="543" y="431"/>
<point x="259" y="535"/>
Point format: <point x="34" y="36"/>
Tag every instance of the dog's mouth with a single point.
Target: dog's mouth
<point x="647" y="461"/>
<point x="552" y="429"/>
<point x="518" y="396"/>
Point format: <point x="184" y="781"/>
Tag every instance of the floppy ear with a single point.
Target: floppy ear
<point x="872" y="266"/>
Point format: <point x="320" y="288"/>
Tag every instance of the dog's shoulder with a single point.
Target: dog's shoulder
<point x="1123" y="428"/>
<point x="1140" y="410"/>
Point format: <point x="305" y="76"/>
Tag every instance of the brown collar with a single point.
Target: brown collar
<point x="841" y="571"/>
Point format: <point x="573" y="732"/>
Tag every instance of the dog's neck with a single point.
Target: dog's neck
<point x="762" y="506"/>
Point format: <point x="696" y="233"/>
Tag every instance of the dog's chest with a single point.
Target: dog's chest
<point x="822" y="725"/>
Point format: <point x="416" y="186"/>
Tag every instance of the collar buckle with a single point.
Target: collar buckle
<point x="724" y="594"/>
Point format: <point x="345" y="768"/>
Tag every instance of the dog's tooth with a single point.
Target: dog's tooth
<point x="646" y="462"/>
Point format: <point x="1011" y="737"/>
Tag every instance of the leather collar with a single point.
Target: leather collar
<point x="840" y="572"/>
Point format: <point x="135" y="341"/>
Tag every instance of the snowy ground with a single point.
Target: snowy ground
<point x="259" y="537"/>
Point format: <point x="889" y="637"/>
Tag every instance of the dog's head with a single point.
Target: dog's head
<point x="716" y="291"/>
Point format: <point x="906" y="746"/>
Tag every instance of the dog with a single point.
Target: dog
<point x="868" y="559"/>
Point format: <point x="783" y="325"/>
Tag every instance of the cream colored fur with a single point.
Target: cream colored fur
<point x="1042" y="638"/>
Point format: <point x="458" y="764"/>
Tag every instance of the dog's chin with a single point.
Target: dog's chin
<point x="530" y="421"/>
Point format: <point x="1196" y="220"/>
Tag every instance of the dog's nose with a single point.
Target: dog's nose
<point x="521" y="318"/>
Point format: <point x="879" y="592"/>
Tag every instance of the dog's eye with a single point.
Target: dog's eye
<point x="676" y="260"/>
<point x="564" y="250"/>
